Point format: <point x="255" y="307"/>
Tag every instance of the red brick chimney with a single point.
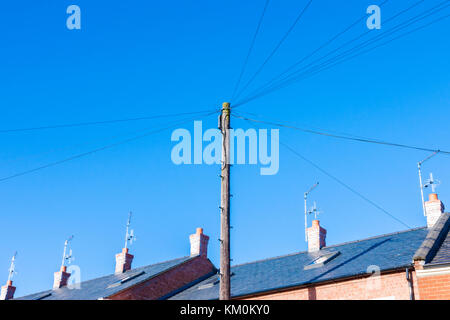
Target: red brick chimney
<point x="433" y="208"/>
<point x="316" y="236"/>
<point x="199" y="243"/>
<point x="123" y="261"/>
<point x="60" y="278"/>
<point x="7" y="291"/>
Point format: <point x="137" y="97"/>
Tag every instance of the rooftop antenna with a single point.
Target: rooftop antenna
<point x="432" y="183"/>
<point x="314" y="210"/>
<point x="12" y="268"/>
<point x="419" y="166"/>
<point x="306" y="208"/>
<point x="67" y="257"/>
<point x="129" y="235"/>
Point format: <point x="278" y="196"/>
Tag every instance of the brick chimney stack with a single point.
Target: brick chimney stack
<point x="199" y="243"/>
<point x="316" y="236"/>
<point x="7" y="291"/>
<point x="60" y="278"/>
<point x="123" y="261"/>
<point x="433" y="208"/>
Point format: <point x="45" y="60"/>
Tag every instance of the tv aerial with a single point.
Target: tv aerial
<point x="129" y="235"/>
<point x="419" y="166"/>
<point x="67" y="256"/>
<point x="12" y="267"/>
<point x="314" y="210"/>
<point x="432" y="183"/>
<point x="306" y="207"/>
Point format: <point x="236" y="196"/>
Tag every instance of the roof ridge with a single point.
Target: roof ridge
<point x="155" y="264"/>
<point x="332" y="246"/>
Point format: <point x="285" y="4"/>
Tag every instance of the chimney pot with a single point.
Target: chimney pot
<point x="433" y="197"/>
<point x="199" y="243"/>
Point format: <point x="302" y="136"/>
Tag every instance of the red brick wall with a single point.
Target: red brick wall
<point x="392" y="285"/>
<point x="168" y="281"/>
<point x="434" y="287"/>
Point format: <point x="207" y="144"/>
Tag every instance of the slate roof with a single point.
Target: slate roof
<point x="106" y="286"/>
<point x="386" y="252"/>
<point x="443" y="254"/>
<point x="436" y="246"/>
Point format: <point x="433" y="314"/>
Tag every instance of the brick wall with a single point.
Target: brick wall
<point x="168" y="281"/>
<point x="434" y="287"/>
<point x="385" y="286"/>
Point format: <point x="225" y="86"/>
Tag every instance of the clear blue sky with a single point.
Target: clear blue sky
<point x="146" y="58"/>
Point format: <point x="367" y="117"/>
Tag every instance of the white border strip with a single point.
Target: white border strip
<point x="433" y="272"/>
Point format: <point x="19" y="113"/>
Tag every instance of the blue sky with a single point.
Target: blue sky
<point x="133" y="59"/>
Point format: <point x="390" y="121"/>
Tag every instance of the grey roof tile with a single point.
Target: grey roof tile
<point x="443" y="254"/>
<point x="387" y="252"/>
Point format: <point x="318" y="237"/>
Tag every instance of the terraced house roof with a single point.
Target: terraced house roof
<point x="385" y="252"/>
<point x="106" y="286"/>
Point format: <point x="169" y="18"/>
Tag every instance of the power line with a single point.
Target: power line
<point x="267" y="85"/>
<point x="328" y="42"/>
<point x="366" y="140"/>
<point x="109" y="146"/>
<point x="276" y="48"/>
<point x="294" y="78"/>
<point x="381" y="36"/>
<point x="328" y="65"/>
<point x="359" y="194"/>
<point x="250" y="49"/>
<point x="81" y="124"/>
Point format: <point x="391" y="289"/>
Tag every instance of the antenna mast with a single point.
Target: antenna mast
<point x="306" y="208"/>
<point x="419" y="166"/>
<point x="69" y="256"/>
<point x="129" y="235"/>
<point x="12" y="267"/>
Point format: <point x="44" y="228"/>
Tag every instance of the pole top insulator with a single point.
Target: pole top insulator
<point x="226" y="105"/>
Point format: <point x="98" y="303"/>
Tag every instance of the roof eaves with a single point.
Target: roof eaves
<point x="433" y="239"/>
<point x="307" y="284"/>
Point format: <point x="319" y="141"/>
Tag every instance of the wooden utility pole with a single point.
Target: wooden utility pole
<point x="225" y="205"/>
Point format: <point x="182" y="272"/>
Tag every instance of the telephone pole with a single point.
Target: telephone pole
<point x="225" y="204"/>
